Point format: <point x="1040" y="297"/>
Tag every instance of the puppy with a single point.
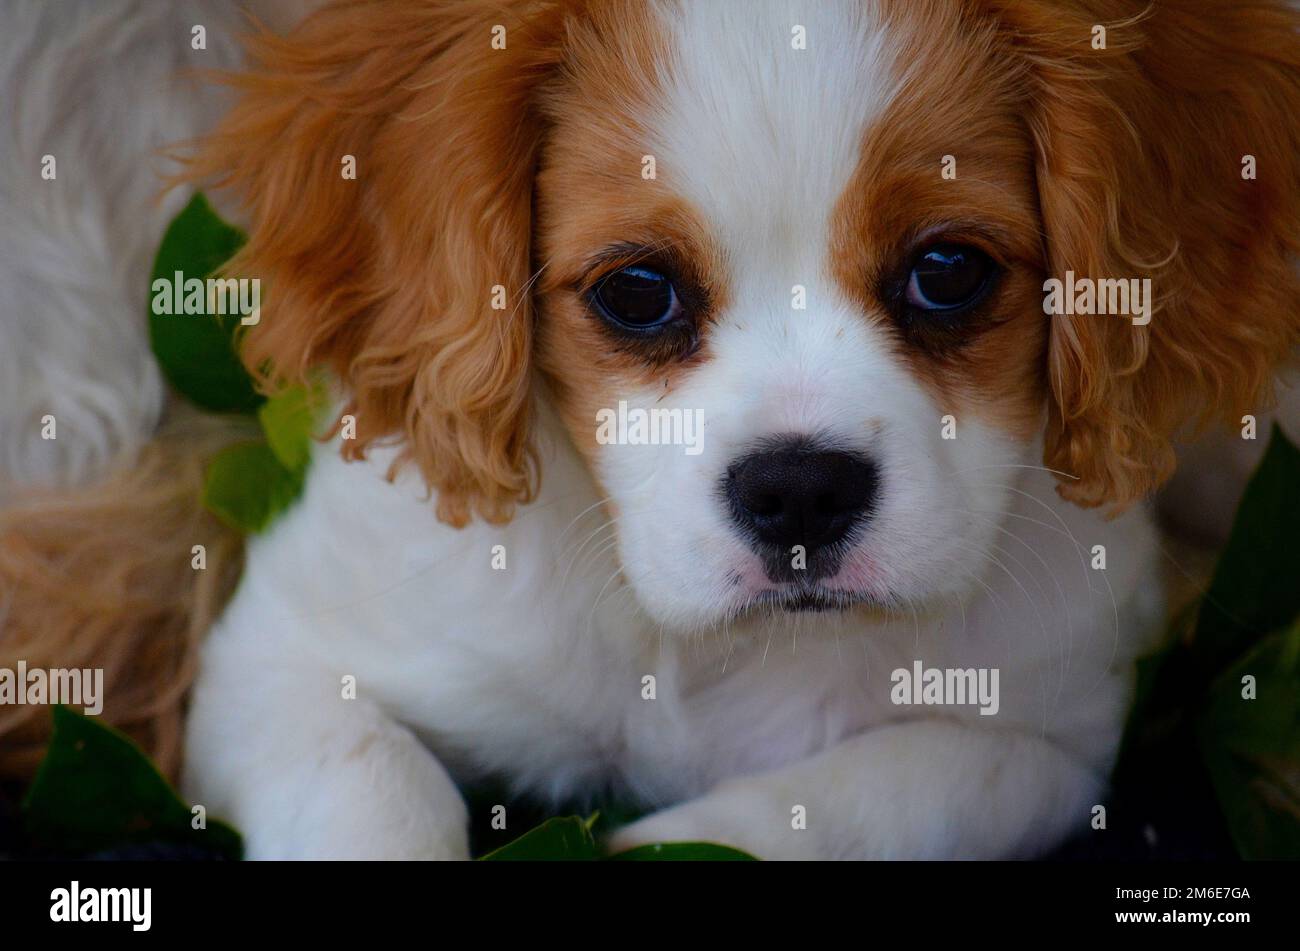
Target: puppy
<point x="825" y="229"/>
<point x="817" y="238"/>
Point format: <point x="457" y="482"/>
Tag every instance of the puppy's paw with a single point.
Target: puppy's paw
<point x="355" y="836"/>
<point x="732" y="820"/>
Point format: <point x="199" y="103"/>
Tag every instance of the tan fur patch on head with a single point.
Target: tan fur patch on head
<point x="593" y="196"/>
<point x="956" y="98"/>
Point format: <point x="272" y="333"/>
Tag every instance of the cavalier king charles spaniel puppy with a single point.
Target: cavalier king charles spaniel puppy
<point x="701" y="437"/>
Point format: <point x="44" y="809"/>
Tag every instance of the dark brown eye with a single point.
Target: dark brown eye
<point x="947" y="277"/>
<point x="637" y="298"/>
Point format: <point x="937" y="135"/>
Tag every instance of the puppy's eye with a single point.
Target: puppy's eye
<point x="637" y="298"/>
<point x="948" y="277"/>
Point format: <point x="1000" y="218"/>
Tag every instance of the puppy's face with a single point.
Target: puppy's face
<point x="858" y="332"/>
<point x="815" y="234"/>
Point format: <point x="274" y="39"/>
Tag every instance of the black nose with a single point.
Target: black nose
<point x="795" y="495"/>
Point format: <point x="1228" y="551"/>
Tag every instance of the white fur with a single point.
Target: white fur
<point x="535" y="673"/>
<point x="95" y="85"/>
<point x="102" y="86"/>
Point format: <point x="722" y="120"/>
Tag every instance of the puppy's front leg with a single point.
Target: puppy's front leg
<point x="926" y="789"/>
<point x="303" y="773"/>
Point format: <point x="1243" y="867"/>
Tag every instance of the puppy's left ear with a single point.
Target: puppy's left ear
<point x="1173" y="153"/>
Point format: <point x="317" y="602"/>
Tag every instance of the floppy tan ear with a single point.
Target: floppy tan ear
<point x="389" y="278"/>
<point x="1142" y="148"/>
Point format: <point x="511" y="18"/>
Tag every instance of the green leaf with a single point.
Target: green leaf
<point x="1251" y="748"/>
<point x="197" y="352"/>
<point x="683" y="852"/>
<point x="567" y="839"/>
<point x="1189" y="697"/>
<point x="95" y="790"/>
<point x="289" y="420"/>
<point x="246" y="486"/>
<point x="1256" y="586"/>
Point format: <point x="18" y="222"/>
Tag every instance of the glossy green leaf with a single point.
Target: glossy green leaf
<point x="197" y="352"/>
<point x="247" y="485"/>
<point x="567" y="839"/>
<point x="683" y="852"/>
<point x="1251" y="747"/>
<point x="1189" y="696"/>
<point x="96" y="790"/>
<point x="1256" y="586"/>
<point x="289" y="420"/>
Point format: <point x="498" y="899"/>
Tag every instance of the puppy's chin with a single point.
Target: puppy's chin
<point x="693" y="610"/>
<point x="812" y="599"/>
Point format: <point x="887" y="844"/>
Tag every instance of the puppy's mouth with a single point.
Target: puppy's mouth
<point x="810" y="599"/>
<point x="853" y="590"/>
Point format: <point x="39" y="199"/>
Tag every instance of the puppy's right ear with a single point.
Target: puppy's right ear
<point x="384" y="153"/>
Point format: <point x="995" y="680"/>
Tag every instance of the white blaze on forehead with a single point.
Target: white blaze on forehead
<point x="760" y="136"/>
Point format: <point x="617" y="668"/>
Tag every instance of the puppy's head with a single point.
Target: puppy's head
<point x="778" y="267"/>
